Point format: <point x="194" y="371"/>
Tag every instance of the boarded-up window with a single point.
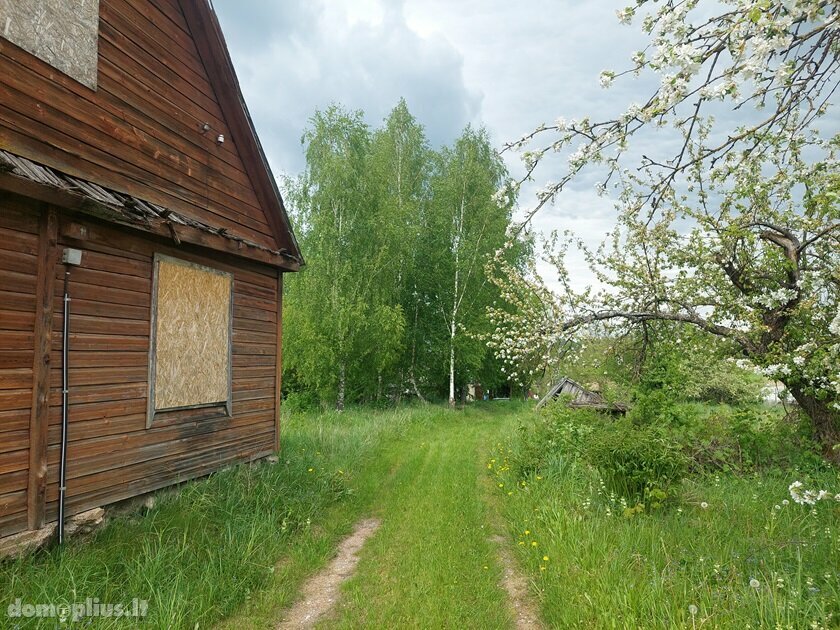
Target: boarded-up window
<point x="64" y="33"/>
<point x="191" y="345"/>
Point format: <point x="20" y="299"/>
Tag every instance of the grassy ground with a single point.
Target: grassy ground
<point x="432" y="565"/>
<point x="233" y="550"/>
<point x="239" y="544"/>
<point x="731" y="552"/>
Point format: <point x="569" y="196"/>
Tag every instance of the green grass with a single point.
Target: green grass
<point x="203" y="552"/>
<point x="237" y="545"/>
<point x="608" y="570"/>
<point x="233" y="550"/>
<point x="432" y="565"/>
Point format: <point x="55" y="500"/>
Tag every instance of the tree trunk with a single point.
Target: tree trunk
<point x="342" y="383"/>
<point x="452" y="363"/>
<point x="824" y="420"/>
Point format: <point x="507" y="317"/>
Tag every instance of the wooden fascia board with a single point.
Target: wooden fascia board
<point x="213" y="51"/>
<point x="158" y="227"/>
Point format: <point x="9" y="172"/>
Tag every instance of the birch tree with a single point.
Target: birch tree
<point x="728" y="219"/>
<point x="471" y="226"/>
<point x="343" y="322"/>
<point x="401" y="167"/>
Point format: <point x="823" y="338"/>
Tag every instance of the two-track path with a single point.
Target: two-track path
<point x="430" y="555"/>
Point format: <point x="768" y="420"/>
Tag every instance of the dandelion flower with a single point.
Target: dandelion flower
<point x="755" y="584"/>
<point x="311" y="469"/>
<point x="692" y="609"/>
<point x="545" y="558"/>
<point x="527" y="531"/>
<point x="533" y="543"/>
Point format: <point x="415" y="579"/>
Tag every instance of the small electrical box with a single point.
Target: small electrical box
<point x="72" y="257"/>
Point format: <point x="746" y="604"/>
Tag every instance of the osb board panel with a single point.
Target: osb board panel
<point x="63" y="33"/>
<point x="192" y="335"/>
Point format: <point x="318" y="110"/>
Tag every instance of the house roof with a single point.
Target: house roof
<point x="212" y="48"/>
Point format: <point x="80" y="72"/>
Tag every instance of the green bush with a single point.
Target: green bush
<point x="634" y="460"/>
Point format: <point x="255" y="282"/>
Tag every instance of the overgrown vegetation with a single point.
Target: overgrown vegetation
<point x="679" y="514"/>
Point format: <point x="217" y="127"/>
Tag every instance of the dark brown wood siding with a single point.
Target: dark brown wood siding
<point x="140" y="132"/>
<point x="111" y="453"/>
<point x="18" y="264"/>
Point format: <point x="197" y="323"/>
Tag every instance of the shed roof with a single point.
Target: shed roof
<point x="580" y="397"/>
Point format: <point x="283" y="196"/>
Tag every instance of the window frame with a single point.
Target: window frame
<point x="203" y="411"/>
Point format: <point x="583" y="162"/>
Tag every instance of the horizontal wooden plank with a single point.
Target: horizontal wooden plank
<point x="80" y="377"/>
<point x="254" y="337"/>
<point x="108" y="310"/>
<point x="14" y="461"/>
<point x="13" y="481"/>
<point x="15" y="378"/>
<point x="16" y="320"/>
<point x="101" y="427"/>
<point x="251" y="349"/>
<point x="12" y="523"/>
<point x="240" y="360"/>
<point x="14" y="260"/>
<point x="15" y="399"/>
<point x="17" y="340"/>
<point x="98" y="455"/>
<point x="254" y="384"/>
<point x="18" y="215"/>
<point x="165" y="470"/>
<point x="101" y="410"/>
<point x="253" y="371"/>
<point x="17" y="282"/>
<point x="109" y="295"/>
<point x="99" y="393"/>
<point x="87" y="324"/>
<point x="255" y="448"/>
<point x="241" y="323"/>
<point x="14" y="420"/>
<point x="86" y="359"/>
<point x="256" y="314"/>
<point x="117" y="262"/>
<point x="17" y="301"/>
<point x="15" y="359"/>
<point x="103" y="343"/>
<point x="106" y="278"/>
<point x="14" y="440"/>
<point x="253" y="394"/>
<point x="13" y="502"/>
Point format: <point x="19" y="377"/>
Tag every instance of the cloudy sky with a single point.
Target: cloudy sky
<point x="508" y="66"/>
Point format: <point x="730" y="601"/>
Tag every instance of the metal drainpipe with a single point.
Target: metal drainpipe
<point x="65" y="391"/>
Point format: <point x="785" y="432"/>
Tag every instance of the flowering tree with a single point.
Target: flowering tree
<point x="727" y="193"/>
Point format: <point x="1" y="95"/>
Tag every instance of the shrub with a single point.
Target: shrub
<point x="557" y="430"/>
<point x="636" y="459"/>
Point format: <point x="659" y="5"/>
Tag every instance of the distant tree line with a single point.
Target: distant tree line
<point x="397" y="238"/>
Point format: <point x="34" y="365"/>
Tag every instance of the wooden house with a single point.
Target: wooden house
<point x="131" y="181"/>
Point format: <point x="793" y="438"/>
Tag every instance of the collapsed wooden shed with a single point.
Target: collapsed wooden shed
<point x="131" y="176"/>
<point x="579" y="397"/>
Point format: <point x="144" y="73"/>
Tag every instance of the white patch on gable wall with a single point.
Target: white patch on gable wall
<point x="63" y="33"/>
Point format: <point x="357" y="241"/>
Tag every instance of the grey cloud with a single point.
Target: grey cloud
<point x="296" y="57"/>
